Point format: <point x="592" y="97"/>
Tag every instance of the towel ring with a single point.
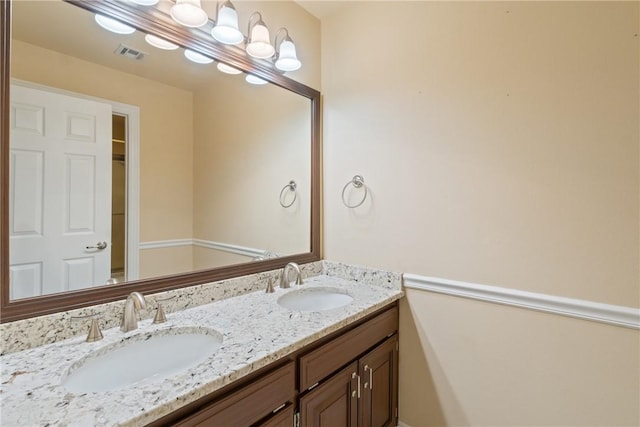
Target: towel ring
<point x="357" y="181"/>
<point x="292" y="187"/>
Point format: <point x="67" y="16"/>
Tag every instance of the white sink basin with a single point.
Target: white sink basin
<point x="315" y="299"/>
<point x="142" y="358"/>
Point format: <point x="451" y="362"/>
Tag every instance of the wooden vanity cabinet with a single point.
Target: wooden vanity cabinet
<point x="364" y="394"/>
<point x="349" y="378"/>
<point x="267" y="401"/>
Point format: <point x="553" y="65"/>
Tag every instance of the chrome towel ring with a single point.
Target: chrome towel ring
<point x="292" y="187"/>
<point x="357" y="182"/>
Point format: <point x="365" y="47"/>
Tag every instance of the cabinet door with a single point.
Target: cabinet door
<point x="378" y="370"/>
<point x="334" y="403"/>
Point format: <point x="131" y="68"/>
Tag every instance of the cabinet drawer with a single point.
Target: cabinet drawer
<point x="284" y="418"/>
<point x="330" y="357"/>
<point x="251" y="403"/>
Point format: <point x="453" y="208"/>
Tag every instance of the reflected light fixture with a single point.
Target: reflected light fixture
<point x="197" y="57"/>
<point x="227" y="68"/>
<point x="254" y="80"/>
<point x="113" y="25"/>
<point x="189" y="13"/>
<point x="258" y="44"/>
<point x="286" y="58"/>
<point x="145" y="2"/>
<point x="226" y="29"/>
<point x="156" y="41"/>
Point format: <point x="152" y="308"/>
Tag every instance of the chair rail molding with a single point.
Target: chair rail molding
<point x="617" y="315"/>
<point x="225" y="247"/>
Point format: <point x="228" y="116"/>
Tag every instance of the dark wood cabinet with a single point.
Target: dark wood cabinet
<point x="283" y="418"/>
<point x="349" y="378"/>
<point x="379" y="373"/>
<point x="334" y="403"/>
<point x="250" y="404"/>
<point x="364" y="394"/>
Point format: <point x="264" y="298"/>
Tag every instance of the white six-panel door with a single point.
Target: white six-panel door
<point x="60" y="192"/>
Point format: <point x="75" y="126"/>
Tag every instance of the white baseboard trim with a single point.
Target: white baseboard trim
<point x="401" y="424"/>
<point x="582" y="309"/>
<point x="225" y="247"/>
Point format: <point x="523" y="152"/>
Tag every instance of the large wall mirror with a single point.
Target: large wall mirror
<point x="129" y="167"/>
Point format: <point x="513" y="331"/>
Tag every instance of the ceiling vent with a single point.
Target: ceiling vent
<point x="129" y="52"/>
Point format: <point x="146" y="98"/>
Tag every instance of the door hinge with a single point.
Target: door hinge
<point x="296" y="419"/>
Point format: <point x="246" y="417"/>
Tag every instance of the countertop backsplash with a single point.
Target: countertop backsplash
<point x="33" y="332"/>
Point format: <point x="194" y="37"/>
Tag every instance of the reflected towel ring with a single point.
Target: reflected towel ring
<point x="292" y="187"/>
<point x="357" y="181"/>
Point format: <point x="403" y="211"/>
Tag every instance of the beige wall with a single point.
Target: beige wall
<point x="500" y="145"/>
<point x="250" y="141"/>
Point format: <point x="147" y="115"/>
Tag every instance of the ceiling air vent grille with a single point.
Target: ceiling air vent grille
<point x="129" y="52"/>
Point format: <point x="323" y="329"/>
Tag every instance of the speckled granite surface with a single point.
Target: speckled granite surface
<point x="255" y="329"/>
<point x="28" y="333"/>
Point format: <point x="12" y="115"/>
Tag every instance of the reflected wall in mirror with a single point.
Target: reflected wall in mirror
<point x="130" y="162"/>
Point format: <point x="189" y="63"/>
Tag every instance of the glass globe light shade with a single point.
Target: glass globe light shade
<point x="287" y="58"/>
<point x="189" y="13"/>
<point x="226" y="29"/>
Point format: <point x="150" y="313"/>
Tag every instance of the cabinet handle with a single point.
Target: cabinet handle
<point x="356" y="376"/>
<point x="367" y="368"/>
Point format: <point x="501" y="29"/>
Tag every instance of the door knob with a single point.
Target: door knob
<point x="99" y="246"/>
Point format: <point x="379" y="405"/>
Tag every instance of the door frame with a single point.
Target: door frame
<point x="132" y="163"/>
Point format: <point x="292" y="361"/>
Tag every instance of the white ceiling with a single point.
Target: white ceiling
<point x="322" y="9"/>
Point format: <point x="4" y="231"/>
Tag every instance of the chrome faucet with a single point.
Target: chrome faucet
<point x="284" y="279"/>
<point x="135" y="301"/>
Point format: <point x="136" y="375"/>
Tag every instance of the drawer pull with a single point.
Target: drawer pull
<point x="278" y="408"/>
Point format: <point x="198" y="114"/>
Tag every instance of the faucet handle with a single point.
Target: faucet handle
<point x="160" y="317"/>
<point x="270" y="289"/>
<point x="94" y="334"/>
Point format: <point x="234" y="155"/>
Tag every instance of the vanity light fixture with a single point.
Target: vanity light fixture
<point x="145" y="2"/>
<point x="226" y="29"/>
<point x="228" y="69"/>
<point x="255" y="80"/>
<point x="258" y="44"/>
<point x="286" y="58"/>
<point x="189" y="13"/>
<point x="197" y="57"/>
<point x="156" y="41"/>
<point x="113" y="25"/>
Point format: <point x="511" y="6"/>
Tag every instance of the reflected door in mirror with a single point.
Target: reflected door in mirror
<point x="60" y="180"/>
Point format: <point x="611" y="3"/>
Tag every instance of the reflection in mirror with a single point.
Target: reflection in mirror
<point x="131" y="162"/>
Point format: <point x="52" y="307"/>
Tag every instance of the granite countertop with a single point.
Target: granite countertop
<point x="256" y="331"/>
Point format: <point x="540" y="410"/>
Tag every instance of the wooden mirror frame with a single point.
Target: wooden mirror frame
<point x="156" y="22"/>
